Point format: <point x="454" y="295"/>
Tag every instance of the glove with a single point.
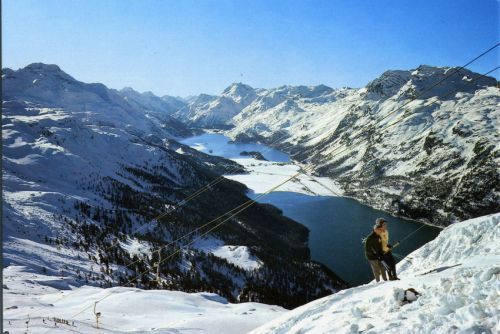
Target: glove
<point x="389" y="246"/>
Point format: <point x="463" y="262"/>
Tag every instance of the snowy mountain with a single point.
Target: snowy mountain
<point x="150" y="102"/>
<point x="157" y="107"/>
<point x="435" y="158"/>
<point x="208" y="111"/>
<point x="86" y="171"/>
<point x="457" y="276"/>
<point x="50" y="87"/>
<point x="215" y="111"/>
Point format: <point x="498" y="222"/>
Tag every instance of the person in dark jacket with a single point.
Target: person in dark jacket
<point x="374" y="253"/>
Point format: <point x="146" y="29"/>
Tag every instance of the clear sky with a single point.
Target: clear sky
<point x="185" y="47"/>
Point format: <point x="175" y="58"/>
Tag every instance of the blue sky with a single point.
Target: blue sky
<point x="186" y="47"/>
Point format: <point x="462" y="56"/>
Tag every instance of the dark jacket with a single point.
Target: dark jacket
<point x="373" y="247"/>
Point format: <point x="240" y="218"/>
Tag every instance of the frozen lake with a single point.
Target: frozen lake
<point x="337" y="224"/>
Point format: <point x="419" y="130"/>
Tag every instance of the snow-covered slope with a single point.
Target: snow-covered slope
<point x="123" y="310"/>
<point x="457" y="275"/>
<point x="78" y="157"/>
<point x="148" y="101"/>
<point x="435" y="158"/>
<point x="85" y="172"/>
<point x="286" y="111"/>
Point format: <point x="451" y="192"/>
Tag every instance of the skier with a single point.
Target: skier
<point x="374" y="253"/>
<point x="388" y="260"/>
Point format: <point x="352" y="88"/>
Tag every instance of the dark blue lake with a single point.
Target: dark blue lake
<point x="337" y="224"/>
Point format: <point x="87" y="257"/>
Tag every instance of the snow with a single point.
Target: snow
<point x="209" y="111"/>
<point x="342" y="133"/>
<point x="238" y="255"/>
<point x="54" y="137"/>
<point x="123" y="310"/>
<point x="136" y="247"/>
<point x="263" y="176"/>
<point x="457" y="275"/>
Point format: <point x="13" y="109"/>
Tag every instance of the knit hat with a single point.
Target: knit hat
<point x="379" y="223"/>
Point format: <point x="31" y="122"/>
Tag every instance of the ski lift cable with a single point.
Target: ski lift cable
<point x="243" y="205"/>
<point x="190" y="197"/>
<point x="449" y="94"/>
<point x="233" y="213"/>
<point x="409" y="235"/>
<point x="442" y="80"/>
<point x="195" y="194"/>
<point x="403" y="118"/>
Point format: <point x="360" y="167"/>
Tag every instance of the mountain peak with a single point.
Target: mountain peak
<point x="149" y="94"/>
<point x="389" y="83"/>
<point x="238" y="89"/>
<point x="43" y="67"/>
<point x="128" y="90"/>
<point x="42" y="70"/>
<point x="429" y="69"/>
